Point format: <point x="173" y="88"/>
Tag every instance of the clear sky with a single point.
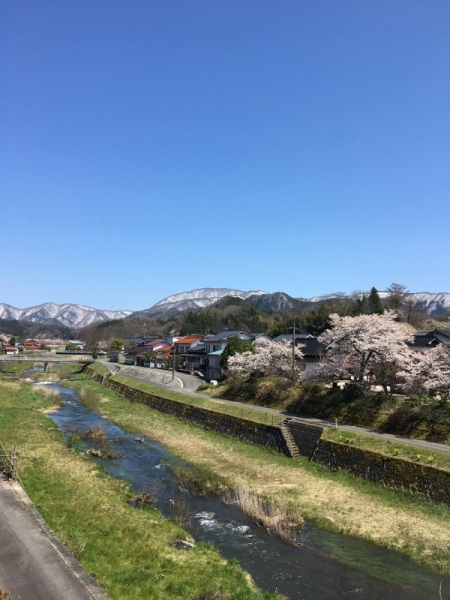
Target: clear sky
<point x="153" y="147"/>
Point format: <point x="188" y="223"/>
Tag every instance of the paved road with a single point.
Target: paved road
<point x="33" y="563"/>
<point x="191" y="383"/>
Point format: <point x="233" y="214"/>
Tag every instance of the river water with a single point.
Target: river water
<point x="327" y="566"/>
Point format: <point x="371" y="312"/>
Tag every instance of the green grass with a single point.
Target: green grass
<point x="249" y="413"/>
<point x="411" y="452"/>
<point x="399" y="520"/>
<point x="128" y="551"/>
<point x="9" y="369"/>
<point x="99" y="368"/>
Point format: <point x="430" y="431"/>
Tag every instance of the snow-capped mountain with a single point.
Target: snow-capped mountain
<point x="193" y="300"/>
<point x="69" y="315"/>
<point x="432" y="304"/>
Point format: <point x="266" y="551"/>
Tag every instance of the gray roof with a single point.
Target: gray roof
<point x="225" y="335"/>
<point x="431" y="338"/>
<point x="288" y="337"/>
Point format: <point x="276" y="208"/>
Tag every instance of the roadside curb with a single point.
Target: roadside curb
<point x="85" y="578"/>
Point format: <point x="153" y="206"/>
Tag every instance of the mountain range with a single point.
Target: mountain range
<point x="69" y="315"/>
<point x="78" y="316"/>
<point x="194" y="300"/>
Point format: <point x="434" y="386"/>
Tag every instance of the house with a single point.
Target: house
<point x="424" y="340"/>
<point x="31" y="345"/>
<point x="162" y="354"/>
<point x="312" y="349"/>
<point x="132" y="353"/>
<point x="190" y="351"/>
<point x="141" y="340"/>
<point x="215" y="345"/>
<point x="9" y="349"/>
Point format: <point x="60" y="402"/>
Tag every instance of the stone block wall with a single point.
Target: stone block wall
<point x="267" y="436"/>
<point x="305" y="436"/>
<point x="387" y="470"/>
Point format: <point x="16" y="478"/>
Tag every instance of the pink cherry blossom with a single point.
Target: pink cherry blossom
<point x="274" y="358"/>
<point x="368" y="347"/>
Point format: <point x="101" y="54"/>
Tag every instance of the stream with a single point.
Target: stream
<point x="326" y="566"/>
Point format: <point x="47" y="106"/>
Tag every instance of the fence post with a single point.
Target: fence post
<point x="13" y="462"/>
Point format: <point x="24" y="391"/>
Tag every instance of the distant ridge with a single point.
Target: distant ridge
<point x="433" y="304"/>
<point x="193" y="300"/>
<point x="78" y="316"/>
<point x="68" y="315"/>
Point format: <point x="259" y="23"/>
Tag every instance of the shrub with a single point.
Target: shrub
<point x="400" y="420"/>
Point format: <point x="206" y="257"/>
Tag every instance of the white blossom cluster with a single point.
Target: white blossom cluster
<point x="429" y="374"/>
<point x="370" y="348"/>
<point x="273" y="358"/>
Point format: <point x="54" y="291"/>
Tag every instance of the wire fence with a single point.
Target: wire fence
<point x="8" y="462"/>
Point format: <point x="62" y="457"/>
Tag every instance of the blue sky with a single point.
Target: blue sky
<point x="153" y="147"/>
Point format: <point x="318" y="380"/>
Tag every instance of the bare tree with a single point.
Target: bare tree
<point x="413" y="313"/>
<point x="397" y="296"/>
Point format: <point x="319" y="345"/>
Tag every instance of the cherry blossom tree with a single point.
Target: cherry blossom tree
<point x="268" y="358"/>
<point x="367" y="346"/>
<point x="429" y="373"/>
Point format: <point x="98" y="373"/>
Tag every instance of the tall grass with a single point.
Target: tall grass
<point x="50" y="394"/>
<point x="277" y="519"/>
<point x="89" y="399"/>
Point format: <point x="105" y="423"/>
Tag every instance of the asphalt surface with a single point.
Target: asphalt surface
<point x="33" y="563"/>
<point x="191" y="383"/>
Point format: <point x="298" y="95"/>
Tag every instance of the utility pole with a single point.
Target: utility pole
<point x="173" y="367"/>
<point x="293" y="351"/>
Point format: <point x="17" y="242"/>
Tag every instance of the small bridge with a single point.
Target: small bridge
<point x="45" y="358"/>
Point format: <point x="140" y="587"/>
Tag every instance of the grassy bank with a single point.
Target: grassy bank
<point x="414" y="417"/>
<point x="229" y="409"/>
<point x="128" y="551"/>
<point x="398" y="449"/>
<point x="401" y="521"/>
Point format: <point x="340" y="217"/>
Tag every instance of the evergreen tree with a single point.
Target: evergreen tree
<point x="360" y="306"/>
<point x="235" y="345"/>
<point x="375" y="305"/>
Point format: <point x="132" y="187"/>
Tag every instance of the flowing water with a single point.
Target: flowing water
<point x="327" y="565"/>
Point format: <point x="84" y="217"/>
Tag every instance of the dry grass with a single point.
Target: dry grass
<point x="277" y="519"/>
<point x="4" y="595"/>
<point x="50" y="394"/>
<point x="336" y="501"/>
<point x="13" y="386"/>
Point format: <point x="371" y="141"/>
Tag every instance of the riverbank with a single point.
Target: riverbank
<point x="409" y="524"/>
<point x="416" y="417"/>
<point x="128" y="551"/>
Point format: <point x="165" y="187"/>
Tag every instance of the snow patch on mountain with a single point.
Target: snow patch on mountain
<point x="433" y="304"/>
<point x="193" y="300"/>
<point x="69" y="315"/>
